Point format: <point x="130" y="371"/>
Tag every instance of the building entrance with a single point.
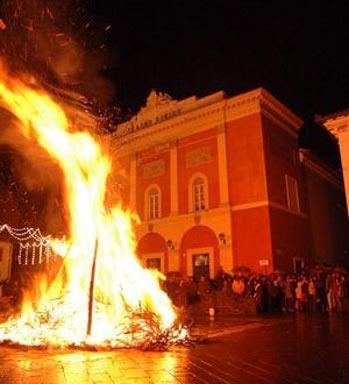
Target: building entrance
<point x="201" y="266"/>
<point x="153" y="263"/>
<point x="298" y="264"/>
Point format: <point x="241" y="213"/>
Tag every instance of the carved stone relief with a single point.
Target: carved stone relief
<point x="153" y="169"/>
<point x="198" y="156"/>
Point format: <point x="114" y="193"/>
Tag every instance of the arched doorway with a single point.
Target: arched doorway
<point x="199" y="253"/>
<point x="153" y="252"/>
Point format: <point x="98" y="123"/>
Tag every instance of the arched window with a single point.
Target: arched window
<point x="154" y="203"/>
<point x="199" y="194"/>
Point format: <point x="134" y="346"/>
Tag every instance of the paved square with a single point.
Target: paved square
<point x="303" y="349"/>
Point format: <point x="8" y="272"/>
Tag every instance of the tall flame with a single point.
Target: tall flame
<point x="121" y="286"/>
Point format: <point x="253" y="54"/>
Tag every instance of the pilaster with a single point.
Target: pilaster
<point x="343" y="139"/>
<point x="338" y="125"/>
<point x="222" y="166"/>
<point x="174" y="177"/>
<point x="133" y="181"/>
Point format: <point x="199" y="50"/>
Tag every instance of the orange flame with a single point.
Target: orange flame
<point x="122" y="286"/>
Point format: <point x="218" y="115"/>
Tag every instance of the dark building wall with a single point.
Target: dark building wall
<point x="289" y="229"/>
<point x="328" y="223"/>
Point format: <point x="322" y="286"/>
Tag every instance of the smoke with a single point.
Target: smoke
<point x="62" y="47"/>
<point x="60" y="42"/>
<point x="36" y="180"/>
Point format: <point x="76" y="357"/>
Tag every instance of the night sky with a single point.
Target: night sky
<point x="296" y="49"/>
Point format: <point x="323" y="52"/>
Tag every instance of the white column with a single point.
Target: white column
<point x="338" y="125"/>
<point x="343" y="138"/>
<point x="133" y="181"/>
<point x="222" y="166"/>
<point x="174" y="177"/>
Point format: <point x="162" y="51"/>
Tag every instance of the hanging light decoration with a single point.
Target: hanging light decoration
<point x="34" y="248"/>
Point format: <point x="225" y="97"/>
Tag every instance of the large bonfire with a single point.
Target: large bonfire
<point x="127" y="306"/>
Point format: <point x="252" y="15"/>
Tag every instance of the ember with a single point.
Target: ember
<point x="102" y="296"/>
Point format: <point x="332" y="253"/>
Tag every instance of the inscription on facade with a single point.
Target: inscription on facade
<point x="159" y="107"/>
<point x="198" y="156"/>
<point x="133" y="127"/>
<point x="153" y="169"/>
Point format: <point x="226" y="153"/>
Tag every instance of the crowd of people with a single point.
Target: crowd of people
<point x="319" y="290"/>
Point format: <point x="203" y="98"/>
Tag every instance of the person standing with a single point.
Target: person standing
<point x="338" y="292"/>
<point x="203" y="286"/>
<point x="301" y="293"/>
<point x="312" y="294"/>
<point x="238" y="286"/>
<point x="330" y="292"/>
<point x="220" y="278"/>
<point x="192" y="291"/>
<point x="290" y="294"/>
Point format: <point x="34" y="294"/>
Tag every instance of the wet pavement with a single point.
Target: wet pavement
<point x="303" y="349"/>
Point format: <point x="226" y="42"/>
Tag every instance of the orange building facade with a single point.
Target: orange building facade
<point x="216" y="181"/>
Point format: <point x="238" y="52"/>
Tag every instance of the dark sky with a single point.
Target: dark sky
<point x="298" y="50"/>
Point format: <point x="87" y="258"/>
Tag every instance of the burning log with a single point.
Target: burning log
<point x="91" y="292"/>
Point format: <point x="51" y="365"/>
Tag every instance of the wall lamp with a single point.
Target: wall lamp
<point x="170" y="244"/>
<point x="222" y="238"/>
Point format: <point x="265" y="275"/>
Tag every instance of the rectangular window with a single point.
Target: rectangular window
<point x="292" y="192"/>
<point x="298" y="264"/>
<point x="154" y="211"/>
<point x="154" y="263"/>
<point x="201" y="266"/>
<point x="199" y="197"/>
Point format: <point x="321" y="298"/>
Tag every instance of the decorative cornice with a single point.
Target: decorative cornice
<point x="161" y="107"/>
<point x="197" y="115"/>
<point x="267" y="203"/>
<point x="336" y="123"/>
<point x="179" y="126"/>
<point x="281" y="207"/>
<point x="251" y="205"/>
<point x="173" y="220"/>
<point x="218" y="219"/>
<point x="273" y="105"/>
<point x="260" y="100"/>
<point x="332" y="116"/>
<point x="308" y="160"/>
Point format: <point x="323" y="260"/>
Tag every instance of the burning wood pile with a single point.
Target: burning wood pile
<point x="139" y="330"/>
<point x="102" y="297"/>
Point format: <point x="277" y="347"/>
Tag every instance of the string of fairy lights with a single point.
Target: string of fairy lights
<point x="34" y="248"/>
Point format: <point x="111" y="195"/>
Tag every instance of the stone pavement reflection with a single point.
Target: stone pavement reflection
<point x="91" y="367"/>
<point x="303" y="349"/>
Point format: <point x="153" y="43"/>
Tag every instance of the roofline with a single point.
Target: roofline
<point x="266" y="101"/>
<point x="308" y="159"/>
<point x="332" y="116"/>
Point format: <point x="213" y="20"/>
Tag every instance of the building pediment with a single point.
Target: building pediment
<point x="160" y="107"/>
<point x="336" y="123"/>
<point x="163" y="118"/>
